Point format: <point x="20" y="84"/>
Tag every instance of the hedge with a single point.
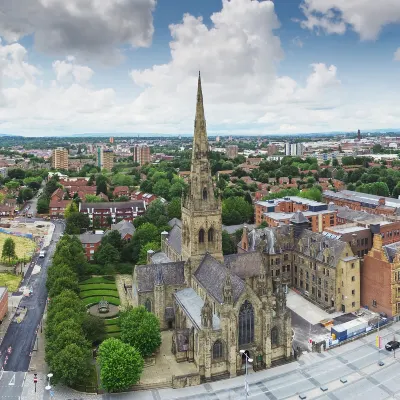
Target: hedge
<point x="91" y="293"/>
<point x="99" y="279"/>
<point x="97" y="286"/>
<point x="96" y="299"/>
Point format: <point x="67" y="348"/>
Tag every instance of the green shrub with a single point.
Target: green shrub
<point x="96" y="299"/>
<point x="111" y="321"/>
<point x="113" y="328"/>
<point x="100" y="292"/>
<point x="99" y="279"/>
<point x="97" y="286"/>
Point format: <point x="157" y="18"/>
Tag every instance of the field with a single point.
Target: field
<point x="93" y="290"/>
<point x="23" y="246"/>
<point x="11" y="281"/>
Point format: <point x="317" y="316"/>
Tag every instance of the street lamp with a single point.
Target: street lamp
<point x="49" y="376"/>
<point x="250" y="360"/>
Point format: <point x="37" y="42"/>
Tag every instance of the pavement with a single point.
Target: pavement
<point x="347" y="372"/>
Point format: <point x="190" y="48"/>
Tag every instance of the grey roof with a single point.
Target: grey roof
<point x="245" y="265"/>
<point x="362" y="198"/>
<point x="171" y="273"/>
<point x="124" y="228"/>
<point x="298" y="218"/>
<point x="211" y="274"/>
<point x="90" y="238"/>
<point x="175" y="221"/>
<point x="316" y="245"/>
<point x="358" y="216"/>
<point x="175" y="238"/>
<point x="192" y="304"/>
<point x="231" y="229"/>
<point x="271" y="238"/>
<point x="160" y="258"/>
<point x="391" y="250"/>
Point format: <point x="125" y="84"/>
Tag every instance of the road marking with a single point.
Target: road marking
<point x="1" y="374"/>
<point x="12" y="381"/>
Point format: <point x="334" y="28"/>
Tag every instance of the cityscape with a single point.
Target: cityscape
<point x="220" y="225"/>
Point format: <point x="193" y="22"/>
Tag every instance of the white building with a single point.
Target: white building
<point x="294" y="149"/>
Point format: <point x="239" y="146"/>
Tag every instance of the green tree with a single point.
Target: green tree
<point x="92" y="198"/>
<point x="177" y="189"/>
<point x="312" y="194"/>
<point x="113" y="238"/>
<point x="120" y="365"/>
<point x="228" y="246"/>
<point x="26" y="194"/>
<point x="140" y="329"/>
<point x="76" y="223"/>
<point x="71" y="208"/>
<point x="122" y="179"/>
<point x="143" y="251"/>
<point x="63" y="283"/>
<point x="155" y="213"/>
<point x="107" y="254"/>
<point x="161" y="188"/>
<point x="42" y="205"/>
<point x="94" y="328"/>
<point x="236" y="210"/>
<point x="9" y="249"/>
<point x="101" y="183"/>
<point x="174" y="208"/>
<point x="146" y="233"/>
<point x="56" y="272"/>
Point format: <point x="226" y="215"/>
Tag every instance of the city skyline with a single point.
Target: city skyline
<point x="301" y="67"/>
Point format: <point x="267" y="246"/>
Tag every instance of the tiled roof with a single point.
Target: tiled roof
<point x="245" y="265"/>
<point x="124" y="228"/>
<point x="172" y="274"/>
<point x="107" y="205"/>
<point x="90" y="238"/>
<point x="175" y="238"/>
<point x="211" y="274"/>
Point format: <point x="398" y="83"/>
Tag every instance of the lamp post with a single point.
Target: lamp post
<point x="48" y="387"/>
<point x="246" y="385"/>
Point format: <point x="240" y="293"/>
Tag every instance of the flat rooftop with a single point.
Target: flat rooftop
<point x="342" y="229"/>
<point x="363" y="197"/>
<point x="282" y="216"/>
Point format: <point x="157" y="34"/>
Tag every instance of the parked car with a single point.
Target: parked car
<point x="42" y="254"/>
<point x="392" y="345"/>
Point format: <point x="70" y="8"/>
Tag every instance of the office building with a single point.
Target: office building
<point x="59" y="158"/>
<point x="105" y="158"/>
<point x="141" y="154"/>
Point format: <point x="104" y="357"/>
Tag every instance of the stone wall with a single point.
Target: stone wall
<point x="182" y="381"/>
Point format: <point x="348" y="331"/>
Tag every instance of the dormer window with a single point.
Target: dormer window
<point x="205" y="194"/>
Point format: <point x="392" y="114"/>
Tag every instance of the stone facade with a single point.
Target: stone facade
<point x="216" y="305"/>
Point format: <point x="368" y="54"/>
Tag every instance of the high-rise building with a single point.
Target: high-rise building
<point x="294" y="149"/>
<point x="111" y="140"/>
<point x="105" y="158"/>
<point x="359" y="135"/>
<point x="141" y="154"/>
<point x="232" y="151"/>
<point x="59" y="158"/>
<point x="217" y="139"/>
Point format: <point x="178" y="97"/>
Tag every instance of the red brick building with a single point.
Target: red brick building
<point x="58" y="204"/>
<point x="121" y="191"/>
<point x="90" y="243"/>
<point x="3" y="302"/>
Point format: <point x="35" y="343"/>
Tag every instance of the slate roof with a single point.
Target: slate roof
<point x="269" y="236"/>
<point x="298" y="218"/>
<point x="192" y="304"/>
<point x="171" y="274"/>
<point x="175" y="221"/>
<point x="231" y="229"/>
<point x="175" y="238"/>
<point x="314" y="245"/>
<point x="160" y="258"/>
<point x="118" y="205"/>
<point x="124" y="228"/>
<point x="211" y="274"/>
<point x="391" y="250"/>
<point x="245" y="265"/>
<point x="90" y="238"/>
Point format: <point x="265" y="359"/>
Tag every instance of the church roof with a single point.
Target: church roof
<point x="170" y="273"/>
<point x="211" y="274"/>
<point x="192" y="304"/>
<point x="269" y="236"/>
<point x="175" y="221"/>
<point x="299" y="218"/>
<point x="245" y="265"/>
<point x="391" y="250"/>
<point x="175" y="238"/>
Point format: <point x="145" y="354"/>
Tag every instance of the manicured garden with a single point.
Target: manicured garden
<point x="97" y="288"/>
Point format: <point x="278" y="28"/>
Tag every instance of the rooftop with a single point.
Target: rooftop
<point x="90" y="237"/>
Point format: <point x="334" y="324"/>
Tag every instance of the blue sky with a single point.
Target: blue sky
<point x="290" y="67"/>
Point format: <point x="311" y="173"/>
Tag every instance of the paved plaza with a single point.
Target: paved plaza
<point x="356" y="363"/>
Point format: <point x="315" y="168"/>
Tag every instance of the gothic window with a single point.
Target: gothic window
<point x="211" y="235"/>
<point x="201" y="235"/>
<point x="246" y="323"/>
<point x="147" y="305"/>
<point x="274" y="336"/>
<point x="218" y="350"/>
<point x="205" y="194"/>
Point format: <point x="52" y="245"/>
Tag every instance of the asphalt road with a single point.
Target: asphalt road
<point x="21" y="337"/>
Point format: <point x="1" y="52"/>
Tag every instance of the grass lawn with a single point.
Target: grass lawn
<point x="111" y="321"/>
<point x="113" y="334"/>
<point x="23" y="246"/>
<point x="99" y="279"/>
<point x="11" y="281"/>
<point x="112" y="328"/>
<point x="99" y="292"/>
<point x="97" y="286"/>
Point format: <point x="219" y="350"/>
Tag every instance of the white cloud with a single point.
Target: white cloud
<point x="67" y="70"/>
<point x="298" y="42"/>
<point x="365" y="17"/>
<point x="87" y="28"/>
<point x="397" y="55"/>
<point x="238" y="58"/>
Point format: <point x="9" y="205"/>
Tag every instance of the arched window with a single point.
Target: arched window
<point x="201" y="235"/>
<point x="147" y="305"/>
<point x="211" y="235"/>
<point x="274" y="336"/>
<point x="205" y="194"/>
<point x="218" y="350"/>
<point x="246" y="323"/>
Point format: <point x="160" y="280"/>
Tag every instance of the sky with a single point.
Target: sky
<point x="131" y="66"/>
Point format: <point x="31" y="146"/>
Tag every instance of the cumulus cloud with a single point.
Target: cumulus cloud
<point x="86" y="28"/>
<point x="397" y="55"/>
<point x="365" y="17"/>
<point x="69" y="70"/>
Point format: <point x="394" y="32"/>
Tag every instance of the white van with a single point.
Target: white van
<point x="42" y="254"/>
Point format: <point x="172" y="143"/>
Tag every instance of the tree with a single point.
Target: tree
<point x="92" y="198"/>
<point x="121" y="179"/>
<point x="154" y="212"/>
<point x="146" y="233"/>
<point x="9" y="249"/>
<point x="107" y="254"/>
<point x="177" y="189"/>
<point x="26" y="194"/>
<point x="146" y="186"/>
<point x="101" y="183"/>
<point x="113" y="238"/>
<point x="236" y="210"/>
<point x="120" y="365"/>
<point x="94" y="328"/>
<point x="140" y="329"/>
<point x="312" y="194"/>
<point x="56" y="272"/>
<point x="228" y="246"/>
<point x="76" y="223"/>
<point x="161" y="188"/>
<point x="71" y="208"/>
<point x="143" y="251"/>
<point x="174" y="208"/>
<point x="63" y="283"/>
<point x="42" y="205"/>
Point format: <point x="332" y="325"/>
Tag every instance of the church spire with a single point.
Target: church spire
<point x="200" y="141"/>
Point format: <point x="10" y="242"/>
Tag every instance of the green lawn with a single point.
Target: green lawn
<point x="96" y="299"/>
<point x="99" y="279"/>
<point x="104" y="292"/>
<point x="11" y="281"/>
<point x="97" y="286"/>
<point x="112" y="328"/>
<point x="111" y="321"/>
<point x="113" y="334"/>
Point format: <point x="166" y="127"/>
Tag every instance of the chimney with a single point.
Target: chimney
<point x="149" y="256"/>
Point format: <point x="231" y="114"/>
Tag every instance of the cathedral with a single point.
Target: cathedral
<point x="216" y="305"/>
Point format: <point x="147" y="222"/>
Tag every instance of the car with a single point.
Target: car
<point x="42" y="254"/>
<point x="392" y="345"/>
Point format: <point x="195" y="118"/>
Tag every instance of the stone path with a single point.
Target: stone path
<point x="126" y="299"/>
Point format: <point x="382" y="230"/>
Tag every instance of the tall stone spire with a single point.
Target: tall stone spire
<point x="200" y="141"/>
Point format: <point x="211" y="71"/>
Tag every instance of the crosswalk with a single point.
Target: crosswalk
<point x="11" y="385"/>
